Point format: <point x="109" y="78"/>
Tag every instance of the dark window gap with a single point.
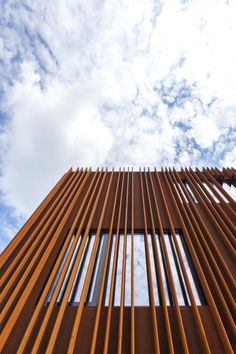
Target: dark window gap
<point x="98" y="268"/>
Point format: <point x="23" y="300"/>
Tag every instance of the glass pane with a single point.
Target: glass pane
<point x="83" y="266"/>
<point x="95" y="271"/>
<point x="189" y="190"/>
<point x="183" y="194"/>
<point x="98" y="271"/>
<point x="174" y="271"/>
<point x="108" y="286"/>
<point x="119" y="271"/>
<point x="141" y="296"/>
<point x="188" y="269"/>
<point x="55" y="281"/>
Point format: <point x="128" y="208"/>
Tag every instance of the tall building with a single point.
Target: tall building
<point x="124" y="262"/>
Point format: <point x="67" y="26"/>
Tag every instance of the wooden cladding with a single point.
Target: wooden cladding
<point x="124" y="262"/>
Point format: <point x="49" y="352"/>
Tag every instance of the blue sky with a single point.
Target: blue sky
<point x="114" y="83"/>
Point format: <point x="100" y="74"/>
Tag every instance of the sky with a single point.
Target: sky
<point x="111" y="83"/>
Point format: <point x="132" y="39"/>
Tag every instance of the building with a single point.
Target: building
<point x="124" y="262"/>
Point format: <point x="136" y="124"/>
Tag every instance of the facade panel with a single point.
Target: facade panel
<point x="124" y="262"/>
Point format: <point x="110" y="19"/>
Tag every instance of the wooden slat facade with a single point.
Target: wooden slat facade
<point x="86" y="213"/>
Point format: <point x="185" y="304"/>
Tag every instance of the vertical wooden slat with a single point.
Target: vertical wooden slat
<point x="32" y="255"/>
<point x="44" y="294"/>
<point x="24" y="296"/>
<point x="99" y="307"/>
<point x="211" y="255"/>
<point x="113" y="277"/>
<point x="212" y="251"/>
<point x="218" y="185"/>
<point x="79" y="201"/>
<point x="96" y="180"/>
<point x="157" y="256"/>
<point x="64" y="302"/>
<point x="229" y="224"/>
<point x="90" y="265"/>
<point x="196" y="314"/>
<point x="211" y="183"/>
<point x="37" y="237"/>
<point x="149" y="271"/>
<point x="220" y="226"/>
<point x="176" y="304"/>
<point x="122" y="293"/>
<point x="230" y="229"/>
<point x="132" y="266"/>
<point x="42" y="243"/>
<point x="213" y="307"/>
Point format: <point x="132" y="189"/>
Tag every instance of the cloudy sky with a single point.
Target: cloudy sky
<point x="111" y="83"/>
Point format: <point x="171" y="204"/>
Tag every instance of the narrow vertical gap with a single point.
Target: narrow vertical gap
<point x="220" y="193"/>
<point x="55" y="281"/>
<point x="154" y="271"/>
<point x="128" y="272"/>
<point x="95" y="269"/>
<point x="182" y="192"/>
<point x="79" y="271"/>
<point x="84" y="267"/>
<point x="65" y="281"/>
<point x="97" y="277"/>
<point x="210" y="192"/>
<point x="119" y="271"/>
<point x="179" y="271"/>
<point x="190" y="192"/>
<point x="180" y="196"/>
<point x="173" y="265"/>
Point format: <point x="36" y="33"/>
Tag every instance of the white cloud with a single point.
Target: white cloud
<point x="230" y="157"/>
<point x="116" y="83"/>
<point x="204" y="131"/>
<point x="54" y="129"/>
